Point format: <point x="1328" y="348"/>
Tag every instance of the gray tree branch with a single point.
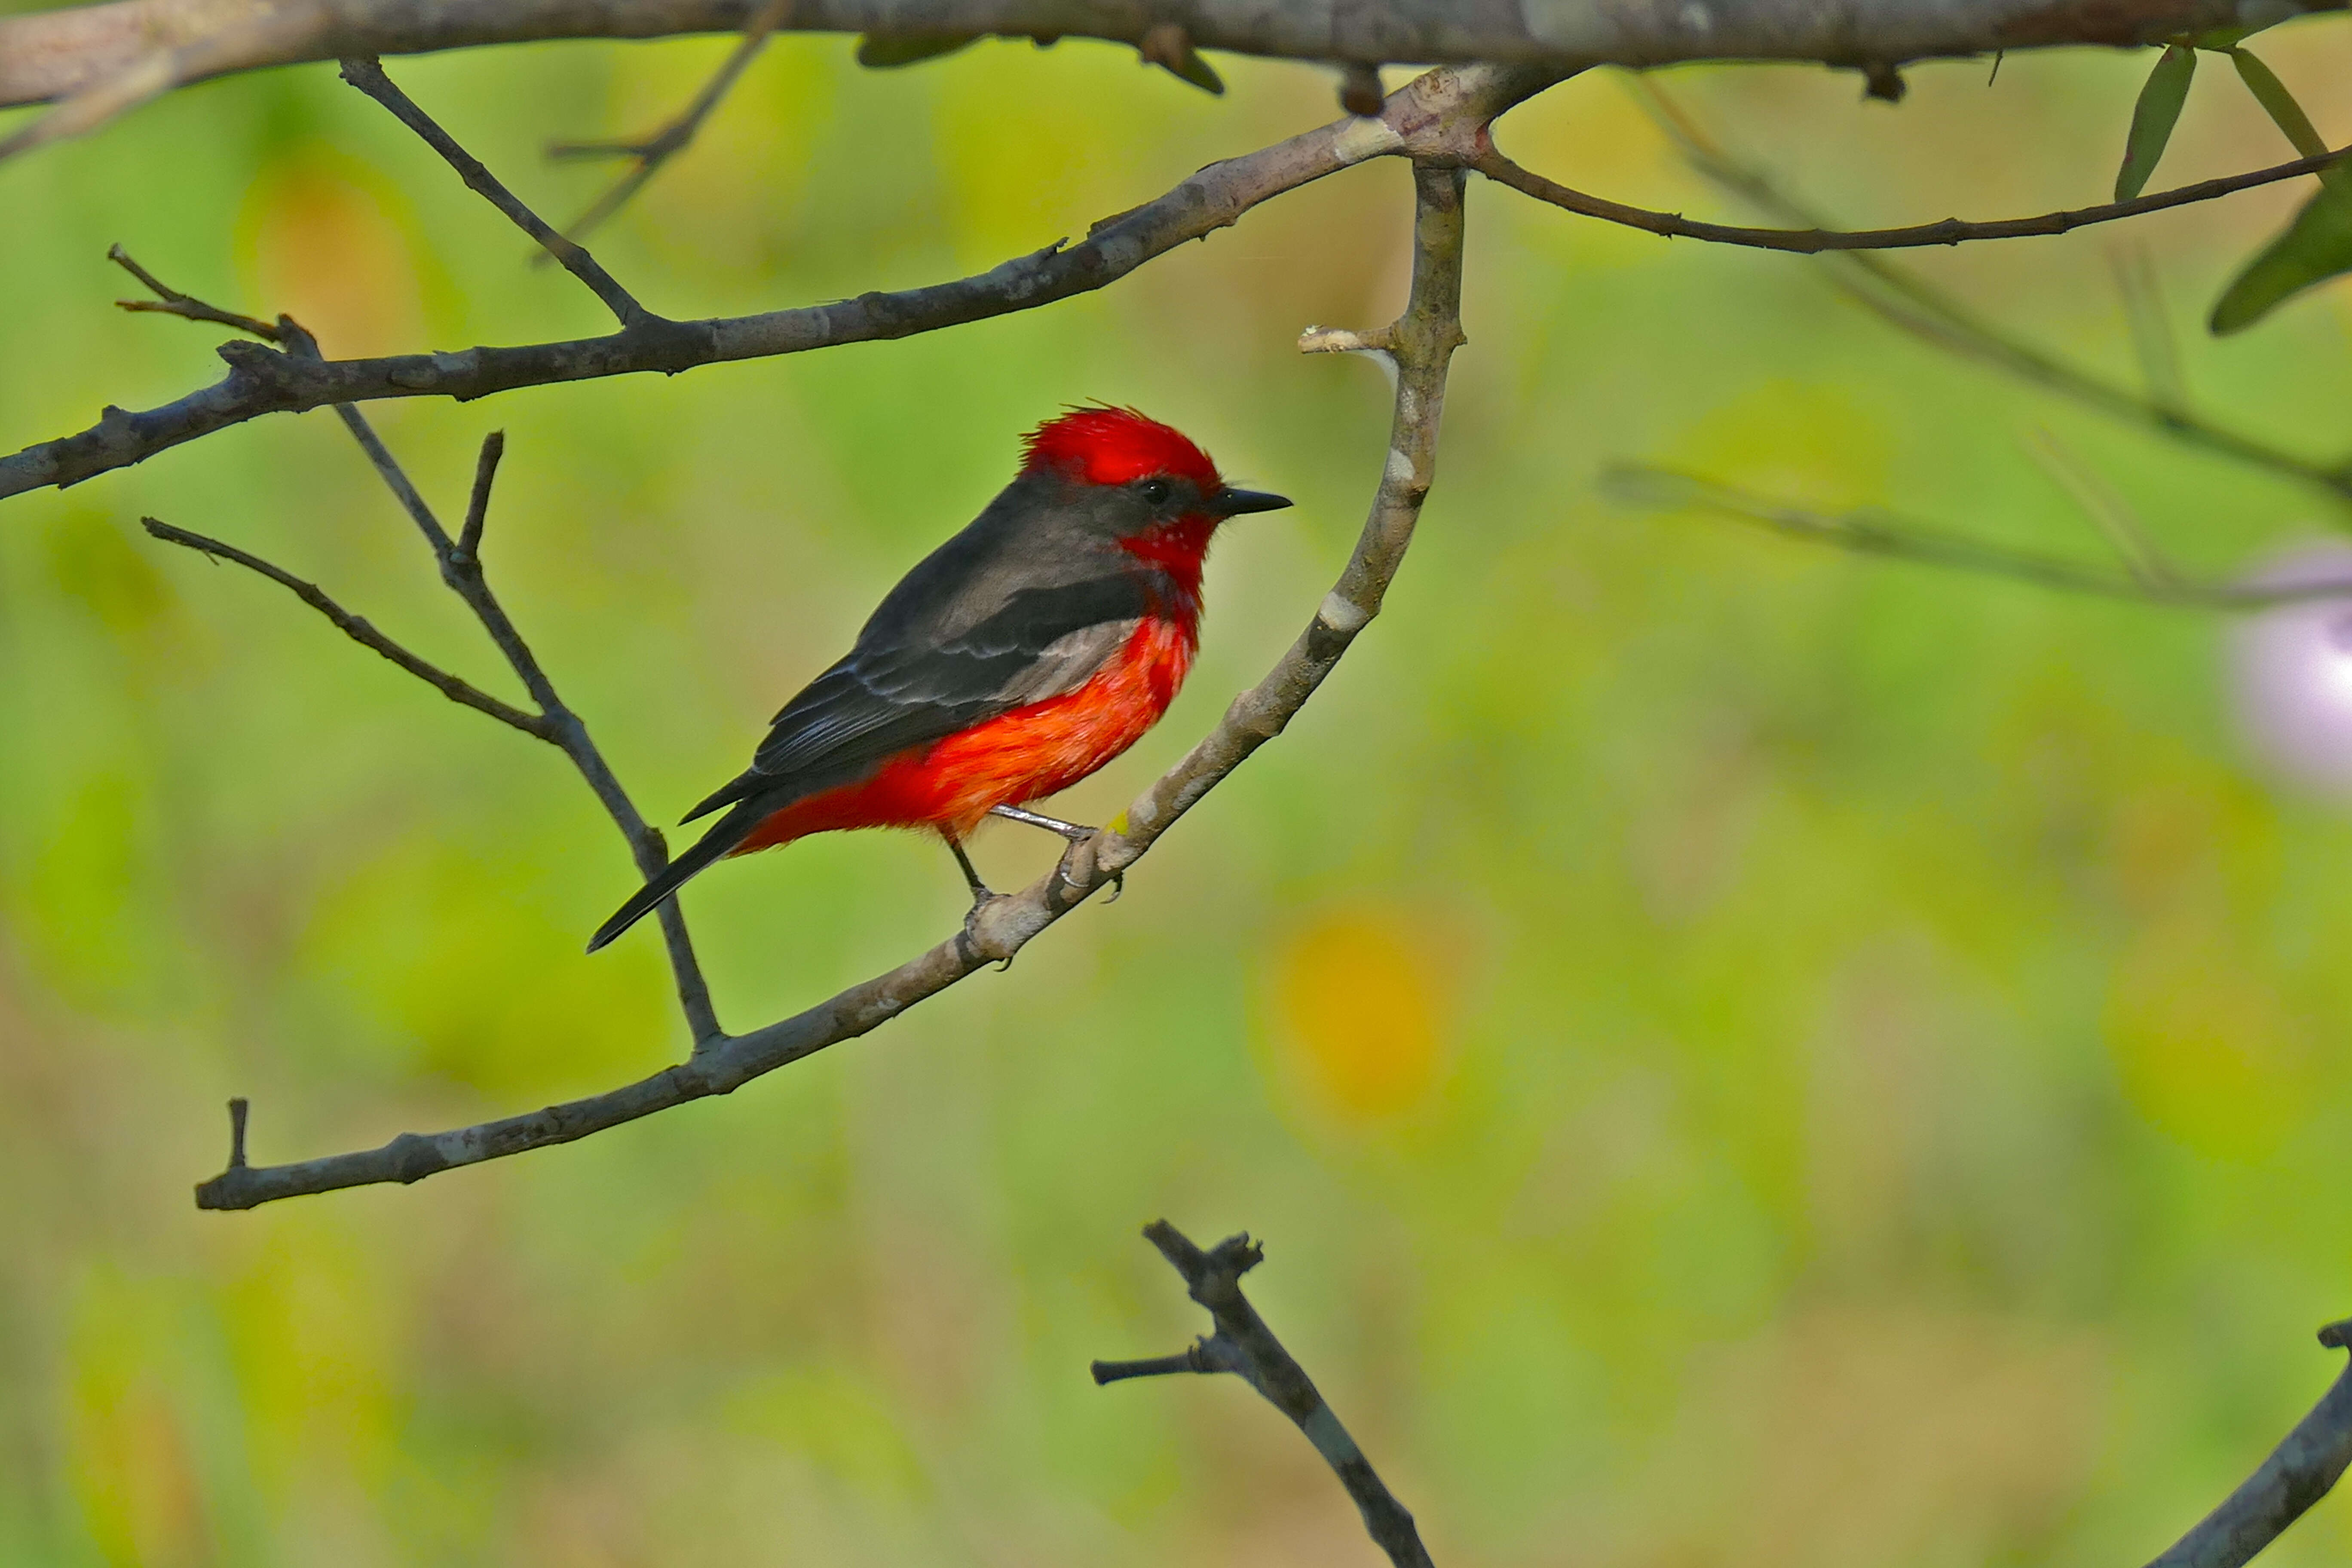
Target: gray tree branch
<point x="1911" y="304"/>
<point x="647" y="154"/>
<point x="1420" y="346"/>
<point x="117" y="54"/>
<point x="1436" y="118"/>
<point x="1246" y="1347"/>
<point x="1946" y="231"/>
<point x="2297" y="1473"/>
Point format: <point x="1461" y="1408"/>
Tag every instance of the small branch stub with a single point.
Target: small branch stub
<point x="1169" y="46"/>
<point x="237" y="1109"/>
<point x="1246" y="1347"/>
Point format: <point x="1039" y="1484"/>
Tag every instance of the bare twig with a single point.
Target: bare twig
<point x="1872" y="532"/>
<point x="648" y="155"/>
<point x="366" y="74"/>
<point x="1433" y="117"/>
<point x="1246" y="1347"/>
<point x="2297" y="1473"/>
<point x="477" y="505"/>
<point x="1912" y="304"/>
<point x="358" y="629"/>
<point x="1420" y="344"/>
<point x="461" y="569"/>
<point x="170" y="301"/>
<point x="2116" y="523"/>
<point x="1948" y="231"/>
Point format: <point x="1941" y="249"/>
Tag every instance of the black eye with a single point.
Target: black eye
<point x="1153" y="492"/>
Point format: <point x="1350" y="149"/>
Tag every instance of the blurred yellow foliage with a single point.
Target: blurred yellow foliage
<point x="321" y="240"/>
<point x="1362" y="1013"/>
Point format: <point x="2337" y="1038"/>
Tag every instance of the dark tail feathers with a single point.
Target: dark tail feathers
<point x="724" y="834"/>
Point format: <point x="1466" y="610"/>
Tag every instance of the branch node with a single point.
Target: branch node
<point x="237" y="1113"/>
<point x="2337" y="1335"/>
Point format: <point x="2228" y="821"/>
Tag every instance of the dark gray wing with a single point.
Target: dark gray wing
<point x="890" y="696"/>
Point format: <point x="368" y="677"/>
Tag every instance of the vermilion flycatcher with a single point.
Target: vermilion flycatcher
<point x="1014" y="660"/>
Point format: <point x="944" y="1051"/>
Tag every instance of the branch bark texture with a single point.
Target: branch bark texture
<point x="2297" y="1473"/>
<point x="1246" y="1347"/>
<point x="57" y="54"/>
<point x="1419" y="345"/>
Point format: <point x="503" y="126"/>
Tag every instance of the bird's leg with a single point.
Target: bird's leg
<point x="1072" y="831"/>
<point x="1076" y="831"/>
<point x="981" y="891"/>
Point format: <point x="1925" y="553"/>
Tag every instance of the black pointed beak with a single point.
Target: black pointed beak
<point x="1231" y="502"/>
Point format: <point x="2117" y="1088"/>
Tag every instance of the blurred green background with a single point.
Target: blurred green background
<point x="1739" y="1054"/>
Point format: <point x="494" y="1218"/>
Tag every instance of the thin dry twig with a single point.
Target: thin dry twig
<point x="2296" y="1474"/>
<point x="366" y="73"/>
<point x="1874" y="531"/>
<point x="649" y="153"/>
<point x="1910" y="304"/>
<point x="1432" y="118"/>
<point x="1420" y="346"/>
<point x="1242" y="1345"/>
<point x="358" y="629"/>
<point x="1814" y="241"/>
<point x="170" y="301"/>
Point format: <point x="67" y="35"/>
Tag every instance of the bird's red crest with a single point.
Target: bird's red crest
<point x="1116" y="446"/>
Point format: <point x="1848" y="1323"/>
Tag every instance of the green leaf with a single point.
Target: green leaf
<point x="2153" y="118"/>
<point x="2278" y="103"/>
<point x="2316" y="246"/>
<point x="879" y="51"/>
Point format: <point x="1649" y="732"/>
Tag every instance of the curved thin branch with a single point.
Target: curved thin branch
<point x="358" y="629"/>
<point x="1433" y="117"/>
<point x="367" y="73"/>
<point x="1419" y="344"/>
<point x="1872" y="532"/>
<point x="1912" y="304"/>
<point x="1246" y="1347"/>
<point x="49" y="55"/>
<point x="1492" y="163"/>
<point x="648" y="154"/>
<point x="2297" y="1473"/>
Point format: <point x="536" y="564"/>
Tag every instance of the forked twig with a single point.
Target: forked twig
<point x="461" y="570"/>
<point x="1242" y="1345"/>
<point x="367" y="74"/>
<point x="649" y="153"/>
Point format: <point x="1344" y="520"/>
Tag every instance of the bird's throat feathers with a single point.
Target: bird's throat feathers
<point x="1177" y="550"/>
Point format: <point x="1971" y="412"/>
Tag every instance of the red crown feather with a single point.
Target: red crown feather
<point x="1105" y="445"/>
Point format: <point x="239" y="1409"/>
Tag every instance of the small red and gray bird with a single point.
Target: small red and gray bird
<point x="1014" y="660"/>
